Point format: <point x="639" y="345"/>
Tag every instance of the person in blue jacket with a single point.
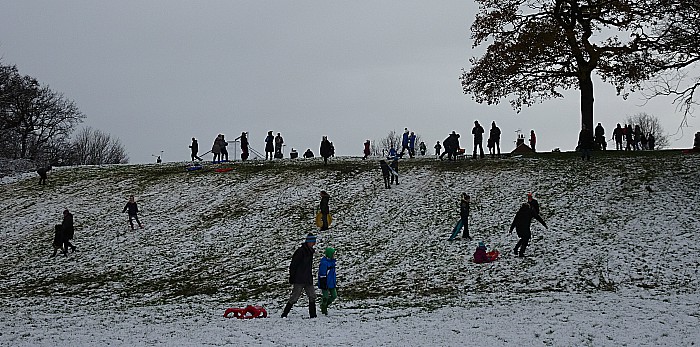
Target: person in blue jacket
<point x="326" y="279"/>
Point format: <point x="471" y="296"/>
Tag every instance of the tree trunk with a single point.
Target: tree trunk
<point x="586" y="87"/>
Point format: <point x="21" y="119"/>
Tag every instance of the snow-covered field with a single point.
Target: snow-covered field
<point x="617" y="266"/>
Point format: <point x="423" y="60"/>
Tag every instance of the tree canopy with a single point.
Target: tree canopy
<point x="537" y="49"/>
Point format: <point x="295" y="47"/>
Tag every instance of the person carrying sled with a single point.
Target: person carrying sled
<point x="521" y="224"/>
<point x="386" y="172"/>
<point x="300" y="276"/>
<point x="464" y="214"/>
<point x="133" y="210"/>
<point x="326" y="279"/>
<point x="325" y="210"/>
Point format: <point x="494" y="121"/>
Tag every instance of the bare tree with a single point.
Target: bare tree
<point x="94" y="147"/>
<point x="392" y="140"/>
<point x="649" y="124"/>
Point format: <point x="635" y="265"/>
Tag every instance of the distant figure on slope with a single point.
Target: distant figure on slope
<point x="495" y="136"/>
<point x="59" y="241"/>
<point x="325" y="210"/>
<point x="269" y="145"/>
<point x="437" y="147"/>
<point x="366" y="151"/>
<point x="279" y="141"/>
<point x="651" y="140"/>
<point x="386" y="172"/>
<point x="464" y="215"/>
<point x="412" y="145"/>
<point x="395" y="166"/>
<point x="422" y="148"/>
<point x="68" y="229"/>
<point x="478" y="132"/>
<point x="521" y="223"/>
<point x="585" y="143"/>
<point x="617" y="135"/>
<point x="133" y="211"/>
<point x="43" y="174"/>
<point x="308" y="154"/>
<point x="194" y="149"/>
<point x="300" y="276"/>
<point x="404" y="142"/>
<point x="533" y="140"/>
<point x="327" y="279"/>
<point x="222" y="145"/>
<point x="599" y="134"/>
<point x="244" y="146"/>
<point x="480" y="256"/>
<point x="216" y="149"/>
<point x="629" y="137"/>
<point x="326" y="149"/>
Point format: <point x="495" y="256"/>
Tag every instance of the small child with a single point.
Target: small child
<point x="480" y="254"/>
<point x="326" y="279"/>
<point x="385" y="173"/>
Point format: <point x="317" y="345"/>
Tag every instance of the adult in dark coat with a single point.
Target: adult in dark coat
<point x="617" y="135"/>
<point x="478" y="132"/>
<point x="386" y="172"/>
<point x="534" y="205"/>
<point x="195" y="149"/>
<point x="59" y="239"/>
<point x="495" y="136"/>
<point x="326" y="149"/>
<point x="133" y="210"/>
<point x="68" y="230"/>
<point x="42" y="174"/>
<point x="269" y="145"/>
<point x="585" y="143"/>
<point x="521" y="224"/>
<point x="464" y="215"/>
<point x="300" y="276"/>
<point x="244" y="146"/>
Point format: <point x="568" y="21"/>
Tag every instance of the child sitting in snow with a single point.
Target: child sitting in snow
<point x="480" y="254"/>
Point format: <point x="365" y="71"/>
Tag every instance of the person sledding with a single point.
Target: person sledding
<point x="521" y="224"/>
<point x="481" y="255"/>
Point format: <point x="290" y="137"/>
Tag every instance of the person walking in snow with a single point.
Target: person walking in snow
<point x="437" y="147"/>
<point x="327" y="280"/>
<point x="269" y="145"/>
<point x="300" y="276"/>
<point x="68" y="230"/>
<point x="521" y="224"/>
<point x="133" y="211"/>
<point x="464" y="215"/>
<point x="59" y="241"/>
<point x="395" y="166"/>
<point x="325" y="210"/>
<point x="478" y="132"/>
<point x="386" y="172"/>
<point x="43" y="174"/>
<point x="194" y="149"/>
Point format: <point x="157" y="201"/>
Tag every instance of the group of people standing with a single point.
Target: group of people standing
<point x="634" y="138"/>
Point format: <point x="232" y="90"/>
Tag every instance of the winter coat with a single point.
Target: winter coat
<point x="522" y="221"/>
<point x="324" y="204"/>
<point x="216" y="147"/>
<point x="195" y="146"/>
<point x="279" y="141"/>
<point x="42" y="171"/>
<point x="585" y="141"/>
<point x="67" y="225"/>
<point x="300" y="267"/>
<point x="244" y="144"/>
<point x="325" y="149"/>
<point x="412" y="141"/>
<point x="385" y="168"/>
<point x="395" y="165"/>
<point x="480" y="255"/>
<point x="495" y="133"/>
<point x="132" y="208"/>
<point x="404" y="139"/>
<point x="464" y="209"/>
<point x="366" y="151"/>
<point x="478" y="132"/>
<point x="326" y="269"/>
<point x="534" y="205"/>
<point x="269" y="143"/>
<point x="59" y="236"/>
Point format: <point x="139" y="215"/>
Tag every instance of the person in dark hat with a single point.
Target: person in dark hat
<point x="521" y="224"/>
<point x="325" y="210"/>
<point x="300" y="276"/>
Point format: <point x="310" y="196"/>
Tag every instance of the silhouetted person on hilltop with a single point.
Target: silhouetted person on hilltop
<point x="326" y="149"/>
<point x="366" y="151"/>
<point x="495" y="137"/>
<point x="244" y="146"/>
<point x="585" y="143"/>
<point x="599" y="134"/>
<point x="618" y="133"/>
<point x="478" y="132"/>
<point x="194" y="148"/>
<point x="269" y="145"/>
<point x="533" y="140"/>
<point x="308" y="154"/>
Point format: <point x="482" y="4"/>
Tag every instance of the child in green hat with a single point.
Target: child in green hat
<point x="326" y="279"/>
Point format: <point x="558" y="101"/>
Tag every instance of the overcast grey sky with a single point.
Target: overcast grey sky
<point x="157" y="73"/>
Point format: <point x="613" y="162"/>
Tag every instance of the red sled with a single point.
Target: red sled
<point x="225" y="169"/>
<point x="493" y="255"/>
<point x="249" y="312"/>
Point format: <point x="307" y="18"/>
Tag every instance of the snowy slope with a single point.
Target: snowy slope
<point x="618" y="265"/>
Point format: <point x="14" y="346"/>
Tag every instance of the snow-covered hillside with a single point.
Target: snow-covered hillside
<point x="618" y="264"/>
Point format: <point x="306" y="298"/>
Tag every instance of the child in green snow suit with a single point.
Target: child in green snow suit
<point x="326" y="279"/>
